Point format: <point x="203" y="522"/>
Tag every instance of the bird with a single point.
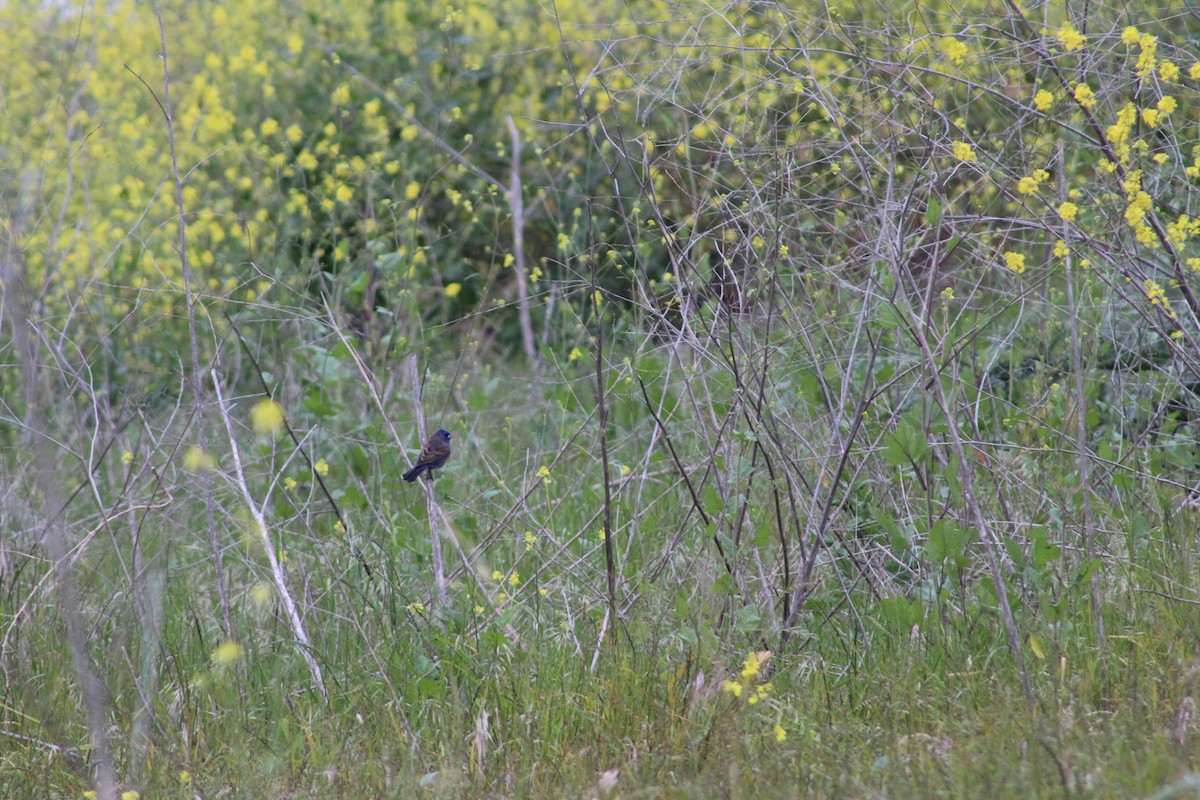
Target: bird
<point x="433" y="454"/>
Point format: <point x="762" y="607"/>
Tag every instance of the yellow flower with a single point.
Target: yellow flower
<point x="1068" y="211"/>
<point x="1168" y="71"/>
<point x="963" y="151"/>
<point x="732" y="687"/>
<point x="1194" y="71"/>
<point x="952" y="49"/>
<point x="780" y="733"/>
<point x="127" y="457"/>
<point x="261" y="593"/>
<point x="1160" y="158"/>
<point x="1167" y="104"/>
<point x="196" y="459"/>
<point x="227" y="652"/>
<point x="1151" y="116"/>
<point x="575" y="354"/>
<point x="412" y="191"/>
<point x="1027" y="185"/>
<point x="1043" y="100"/>
<point x="132" y="794"/>
<point x="497" y="575"/>
<point x="322" y="467"/>
<point x="1085" y="96"/>
<point x="269" y="127"/>
<point x="1015" y="262"/>
<point x="266" y="416"/>
<point x="1060" y="249"/>
<point x="947" y="294"/>
<point x="344" y="193"/>
<point x="1071" y="38"/>
<point x="530" y="540"/>
<point x="514" y="579"/>
<point x="543" y="472"/>
<point x="1130" y="36"/>
<point x="452" y="290"/>
<point x="341" y="95"/>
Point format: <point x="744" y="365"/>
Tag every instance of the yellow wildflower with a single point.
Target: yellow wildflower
<point x="1071" y="38"/>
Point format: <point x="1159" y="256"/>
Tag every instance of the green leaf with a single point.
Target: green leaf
<point x="947" y="539"/>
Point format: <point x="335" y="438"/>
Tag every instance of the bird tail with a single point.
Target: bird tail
<point x="413" y="473"/>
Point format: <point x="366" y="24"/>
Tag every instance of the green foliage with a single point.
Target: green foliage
<point x="894" y="322"/>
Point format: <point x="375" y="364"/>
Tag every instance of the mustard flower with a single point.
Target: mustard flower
<point x="1043" y="100"/>
<point x="196" y="459"/>
<point x="1027" y="185"/>
<point x="1167" y="104"/>
<point x="543" y="472"/>
<point x="227" y="652"/>
<point x="412" y="191"/>
<point x="514" y="579"/>
<point x="1085" y="96"/>
<point x="344" y="194"/>
<point x="780" y="733"/>
<point x="1015" y="262"/>
<point x="497" y="575"/>
<point x="127" y="458"/>
<point x="321" y="467"/>
<point x="963" y="151"/>
<point x="575" y="354"/>
<point x="269" y="127"/>
<point x="1151" y="116"/>
<point x="1060" y="249"/>
<point x="452" y="290"/>
<point x="266" y="416"/>
<point x="732" y="687"/>
<point x="1130" y="36"/>
<point x="1168" y="71"/>
<point x="1071" y="38"/>
<point x="1068" y="211"/>
<point x="952" y="49"/>
<point x="1194" y="71"/>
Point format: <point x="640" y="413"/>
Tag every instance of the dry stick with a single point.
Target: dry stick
<point x="90" y="686"/>
<point x="268" y="546"/>
<point x="1081" y="443"/>
<point x="435" y="536"/>
<point x="610" y="564"/>
<point x="197" y="392"/>
<point x="517" y="204"/>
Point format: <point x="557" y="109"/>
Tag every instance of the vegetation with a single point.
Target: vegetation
<point x="823" y="384"/>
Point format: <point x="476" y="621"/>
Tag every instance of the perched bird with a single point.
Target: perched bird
<point x="433" y="454"/>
